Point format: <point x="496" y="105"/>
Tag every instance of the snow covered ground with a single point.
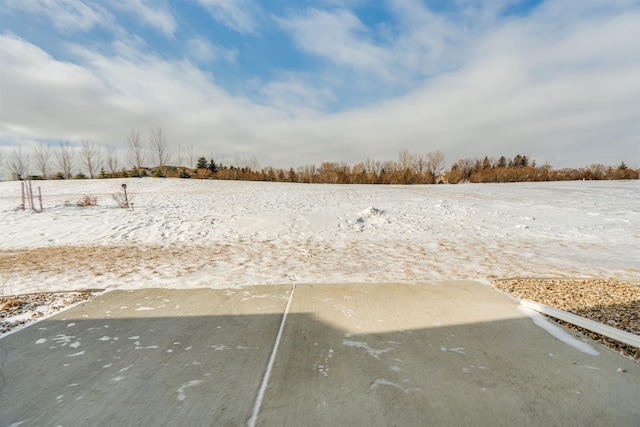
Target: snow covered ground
<point x="199" y="233"/>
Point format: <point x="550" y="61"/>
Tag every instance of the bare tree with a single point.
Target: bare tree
<point x="237" y="163"/>
<point x="374" y="169"/>
<point x="180" y="154"/>
<point x="419" y="166"/>
<point x="90" y="157"/>
<point x="41" y="158"/>
<point x="190" y="154"/>
<point x="19" y="163"/>
<point x="307" y="173"/>
<point x="0" y="158"/>
<point x="252" y="163"/>
<point x="160" y="146"/>
<point x="406" y="160"/>
<point x="65" y="158"/>
<point x="435" y="164"/>
<point x="135" y="154"/>
<point x="112" y="160"/>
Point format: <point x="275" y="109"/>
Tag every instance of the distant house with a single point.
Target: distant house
<point x="10" y="176"/>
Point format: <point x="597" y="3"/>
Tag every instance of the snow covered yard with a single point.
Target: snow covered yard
<point x="195" y="233"/>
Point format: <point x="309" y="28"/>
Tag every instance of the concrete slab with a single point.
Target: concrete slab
<point x="458" y="353"/>
<point x="149" y="357"/>
<point x="455" y="353"/>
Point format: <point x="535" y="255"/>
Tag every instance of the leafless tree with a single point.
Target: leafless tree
<point x="435" y="164"/>
<point x="65" y="158"/>
<point x="112" y="160"/>
<point x="90" y="157"/>
<point x="19" y="163"/>
<point x="252" y="163"/>
<point x="390" y="166"/>
<point x="406" y="160"/>
<point x="181" y="155"/>
<point x="420" y="166"/>
<point x="190" y="154"/>
<point x="160" y="146"/>
<point x="373" y="167"/>
<point x="327" y="172"/>
<point x="237" y="162"/>
<point x="359" y="170"/>
<point x="41" y="158"/>
<point x="307" y="173"/>
<point x="135" y="153"/>
<point x="0" y="158"/>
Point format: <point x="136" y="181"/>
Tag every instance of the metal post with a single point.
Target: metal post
<point x="126" y="199"/>
<point x="22" y="205"/>
<point x="30" y="191"/>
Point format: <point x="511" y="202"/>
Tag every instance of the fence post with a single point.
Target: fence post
<point x="22" y="205"/>
<point x="30" y="192"/>
<point x="126" y="199"/>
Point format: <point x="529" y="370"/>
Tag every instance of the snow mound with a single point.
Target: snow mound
<point x="371" y="212"/>
<point x="370" y="217"/>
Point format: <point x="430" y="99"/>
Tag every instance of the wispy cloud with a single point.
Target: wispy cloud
<point x="66" y="15"/>
<point x="203" y="51"/>
<point x="156" y="14"/>
<point x="293" y="95"/>
<point x="235" y="14"/>
<point x="340" y="37"/>
<point x="558" y="83"/>
<point x="415" y="45"/>
<point x="113" y="94"/>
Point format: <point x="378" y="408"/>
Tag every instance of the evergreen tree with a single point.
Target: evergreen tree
<point x="212" y="166"/>
<point x="517" y="161"/>
<point x="291" y="176"/>
<point x="502" y="162"/>
<point x="202" y="163"/>
<point x="486" y="164"/>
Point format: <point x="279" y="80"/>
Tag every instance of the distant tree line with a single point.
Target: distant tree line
<point x="521" y="169"/>
<point x="90" y="160"/>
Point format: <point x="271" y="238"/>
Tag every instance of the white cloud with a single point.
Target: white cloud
<point x="235" y="14"/>
<point x="294" y="96"/>
<point x="417" y="45"/>
<point x="107" y="96"/>
<point x="339" y="37"/>
<point x="203" y="51"/>
<point x="157" y="14"/>
<point x="66" y="15"/>
<point x="39" y="92"/>
<point x="558" y="87"/>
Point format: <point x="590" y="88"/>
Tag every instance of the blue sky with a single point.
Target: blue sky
<point x="302" y="82"/>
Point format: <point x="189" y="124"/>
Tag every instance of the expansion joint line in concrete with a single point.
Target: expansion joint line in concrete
<point x="265" y="379"/>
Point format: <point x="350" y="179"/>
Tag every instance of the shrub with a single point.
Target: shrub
<point x="123" y="199"/>
<point x="87" y="200"/>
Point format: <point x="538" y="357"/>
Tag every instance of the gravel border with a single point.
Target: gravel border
<point x="614" y="303"/>
<point x="19" y="310"/>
